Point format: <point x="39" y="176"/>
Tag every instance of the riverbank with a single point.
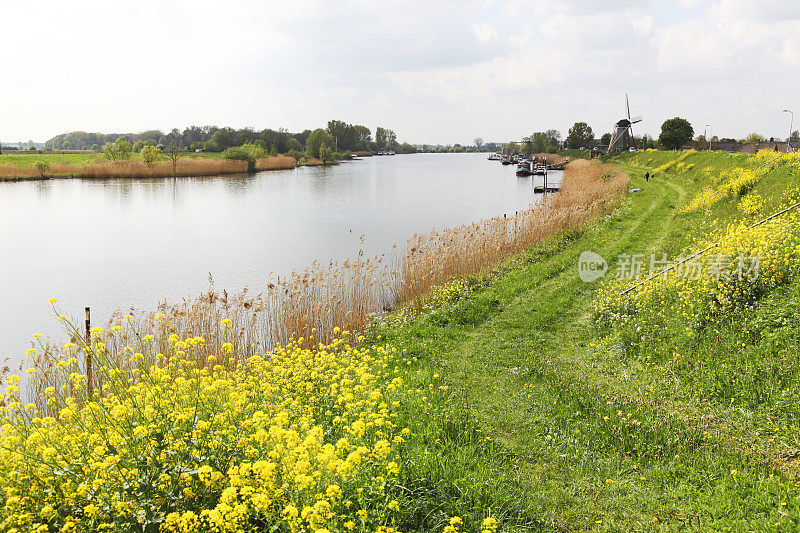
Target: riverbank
<point x="350" y="435"/>
<point x="93" y="165"/>
<point x="655" y="412"/>
<point x="518" y="395"/>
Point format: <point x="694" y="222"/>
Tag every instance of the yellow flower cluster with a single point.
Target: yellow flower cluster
<point x="748" y="263"/>
<point x="669" y="164"/>
<point x="301" y="439"/>
<point x="489" y="525"/>
<point x="739" y="180"/>
<point x="446" y="293"/>
<point x="751" y="205"/>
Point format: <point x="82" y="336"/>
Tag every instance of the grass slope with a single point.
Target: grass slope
<point x="526" y="409"/>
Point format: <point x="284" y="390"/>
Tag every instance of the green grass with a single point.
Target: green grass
<point x="24" y="159"/>
<point x="589" y="430"/>
<point x="29" y="159"/>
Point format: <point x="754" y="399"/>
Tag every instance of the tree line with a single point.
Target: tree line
<point x="338" y="136"/>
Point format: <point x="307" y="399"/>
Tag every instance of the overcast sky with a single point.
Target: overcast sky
<point x="434" y="71"/>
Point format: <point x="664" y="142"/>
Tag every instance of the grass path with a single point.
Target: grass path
<point x="545" y="325"/>
<point x="593" y="446"/>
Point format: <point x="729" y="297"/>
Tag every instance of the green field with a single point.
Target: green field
<point x="29" y="159"/>
<point x="522" y="394"/>
<point x="591" y="428"/>
<point x="26" y="159"/>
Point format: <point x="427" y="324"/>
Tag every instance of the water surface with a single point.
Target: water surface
<point x="119" y="243"/>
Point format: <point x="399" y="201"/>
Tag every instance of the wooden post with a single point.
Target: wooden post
<point x="89" y="351"/>
<point x="545" y="179"/>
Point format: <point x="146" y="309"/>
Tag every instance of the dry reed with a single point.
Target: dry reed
<point x="281" y="162"/>
<point x="186" y="166"/>
<point x="311" y="303"/>
<point x="553" y="159"/>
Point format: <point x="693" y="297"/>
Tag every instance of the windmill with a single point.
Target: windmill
<point x="622" y="138"/>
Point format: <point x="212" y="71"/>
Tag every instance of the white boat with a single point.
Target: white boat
<point x="494" y="157"/>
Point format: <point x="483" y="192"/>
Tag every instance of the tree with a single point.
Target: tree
<point x="241" y="153"/>
<point x="580" y="135"/>
<point x="478" y="143"/>
<point x="174" y="153"/>
<point x="42" y="167"/>
<point x="118" y="150"/>
<point x="553" y="138"/>
<point x="675" y="133"/>
<point x="407" y="148"/>
<point x="536" y="143"/>
<point x="795" y="137"/>
<point x="511" y="148"/>
<point x="317" y="140"/>
<point x="755" y="138"/>
<point x="150" y="154"/>
<point x="325" y="154"/>
<point x="385" y="138"/>
<point x="605" y="140"/>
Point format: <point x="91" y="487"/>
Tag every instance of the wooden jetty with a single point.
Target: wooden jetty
<point x="545" y="187"/>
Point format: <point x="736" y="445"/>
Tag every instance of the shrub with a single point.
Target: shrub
<point x="43" y="167"/>
<point x="240" y="153"/>
<point x="150" y="154"/>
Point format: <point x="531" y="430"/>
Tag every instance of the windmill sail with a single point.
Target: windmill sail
<point x="622" y="138"/>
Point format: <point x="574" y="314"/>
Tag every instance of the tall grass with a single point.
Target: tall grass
<point x="434" y="258"/>
<point x="195" y="166"/>
<point x="314" y="302"/>
<point x="186" y="166"/>
<point x="280" y="162"/>
<point x="133" y="168"/>
<point x="554" y="159"/>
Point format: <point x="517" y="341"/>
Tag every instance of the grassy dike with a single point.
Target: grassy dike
<point x="527" y="410"/>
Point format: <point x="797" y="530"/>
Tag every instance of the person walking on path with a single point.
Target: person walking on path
<point x="647" y="176"/>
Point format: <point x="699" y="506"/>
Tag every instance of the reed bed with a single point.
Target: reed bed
<point x="315" y="303"/>
<point x="554" y="159"/>
<point x="436" y="257"/>
<point x="194" y="166"/>
<point x="281" y="162"/>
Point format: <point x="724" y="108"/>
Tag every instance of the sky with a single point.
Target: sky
<point x="436" y="72"/>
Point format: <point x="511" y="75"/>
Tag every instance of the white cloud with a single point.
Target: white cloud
<point x="485" y="33"/>
<point x="435" y="72"/>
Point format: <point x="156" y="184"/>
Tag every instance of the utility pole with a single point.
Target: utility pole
<point x="709" y="138"/>
<point x="789" y="138"/>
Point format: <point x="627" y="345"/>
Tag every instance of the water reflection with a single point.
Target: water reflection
<point x="111" y="243"/>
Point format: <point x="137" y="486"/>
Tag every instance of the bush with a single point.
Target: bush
<point x="42" y="167"/>
<point x="239" y="153"/>
<point x="248" y="153"/>
<point x="150" y="154"/>
<point x="121" y="149"/>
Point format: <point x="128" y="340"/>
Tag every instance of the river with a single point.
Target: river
<point x="119" y="243"/>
